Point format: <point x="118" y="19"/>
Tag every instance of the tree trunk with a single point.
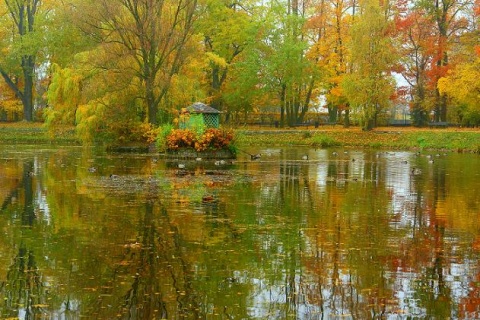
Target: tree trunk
<point x="282" y="106"/>
<point x="332" y="113"/>
<point x="307" y="100"/>
<point x="215" y="103"/>
<point x="443" y="108"/>
<point x="23" y="14"/>
<point x="346" y="122"/>
<point x="368" y="124"/>
<point x="442" y="13"/>
<point x="28" y="66"/>
<point x="151" y="105"/>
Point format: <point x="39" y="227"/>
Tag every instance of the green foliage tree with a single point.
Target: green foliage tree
<point x="227" y="28"/>
<point x="285" y="68"/>
<point x="21" y="46"/>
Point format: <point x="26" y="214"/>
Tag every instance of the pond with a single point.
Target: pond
<point x="350" y="234"/>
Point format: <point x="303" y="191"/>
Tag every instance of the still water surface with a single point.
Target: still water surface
<point x="355" y="234"/>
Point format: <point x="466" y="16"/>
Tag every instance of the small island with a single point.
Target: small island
<point x="198" y="135"/>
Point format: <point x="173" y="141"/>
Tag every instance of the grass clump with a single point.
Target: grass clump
<point x="307" y="135"/>
<point x="323" y="141"/>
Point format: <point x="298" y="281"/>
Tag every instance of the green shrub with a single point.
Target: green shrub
<point x="376" y="145"/>
<point x="164" y="131"/>
<point x="421" y="142"/>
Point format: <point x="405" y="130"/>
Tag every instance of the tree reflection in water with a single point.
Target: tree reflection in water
<point x="278" y="238"/>
<point x="161" y="274"/>
<point x="24" y="292"/>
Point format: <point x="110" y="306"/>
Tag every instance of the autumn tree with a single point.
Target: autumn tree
<point x="10" y="106"/>
<point x="460" y="84"/>
<point x="21" y="45"/>
<point x="330" y="28"/>
<point x="227" y="27"/>
<point x="64" y="93"/>
<point x="152" y="35"/>
<point x="370" y="86"/>
<point x="416" y="43"/>
<point x="285" y="67"/>
<point x="64" y="73"/>
<point x="449" y="23"/>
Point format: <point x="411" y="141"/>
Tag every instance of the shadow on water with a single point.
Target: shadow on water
<point x="296" y="233"/>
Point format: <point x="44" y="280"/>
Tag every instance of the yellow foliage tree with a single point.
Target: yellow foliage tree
<point x="331" y="26"/>
<point x="152" y="36"/>
<point x="462" y="85"/>
<point x="370" y="87"/>
<point x="10" y="106"/>
<point x="64" y="96"/>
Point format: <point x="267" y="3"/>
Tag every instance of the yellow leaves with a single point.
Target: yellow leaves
<point x="10" y="105"/>
<point x="89" y="120"/>
<point x="146" y="132"/>
<point x="443" y="84"/>
<point x="462" y="83"/>
<point x="63" y="96"/>
<point x="4" y="51"/>
<point x="216" y="59"/>
<point x="336" y="91"/>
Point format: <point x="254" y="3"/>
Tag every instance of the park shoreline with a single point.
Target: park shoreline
<point x="446" y="139"/>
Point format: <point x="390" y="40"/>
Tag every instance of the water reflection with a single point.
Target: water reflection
<point x="345" y="233"/>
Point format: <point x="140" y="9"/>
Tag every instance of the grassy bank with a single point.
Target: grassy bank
<point x="453" y="139"/>
<point x="458" y="140"/>
<point x="35" y="133"/>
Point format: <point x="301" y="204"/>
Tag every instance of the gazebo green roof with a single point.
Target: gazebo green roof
<point x="199" y="107"/>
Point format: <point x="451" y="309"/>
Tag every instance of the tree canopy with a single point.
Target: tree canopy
<point x="110" y="67"/>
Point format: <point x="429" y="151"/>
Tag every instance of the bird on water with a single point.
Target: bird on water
<point x="255" y="156"/>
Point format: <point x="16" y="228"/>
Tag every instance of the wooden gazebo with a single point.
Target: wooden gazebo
<point x="199" y="114"/>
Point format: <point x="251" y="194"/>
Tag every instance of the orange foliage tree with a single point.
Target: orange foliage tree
<point x="448" y="24"/>
<point x="330" y="27"/>
<point x="415" y="32"/>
